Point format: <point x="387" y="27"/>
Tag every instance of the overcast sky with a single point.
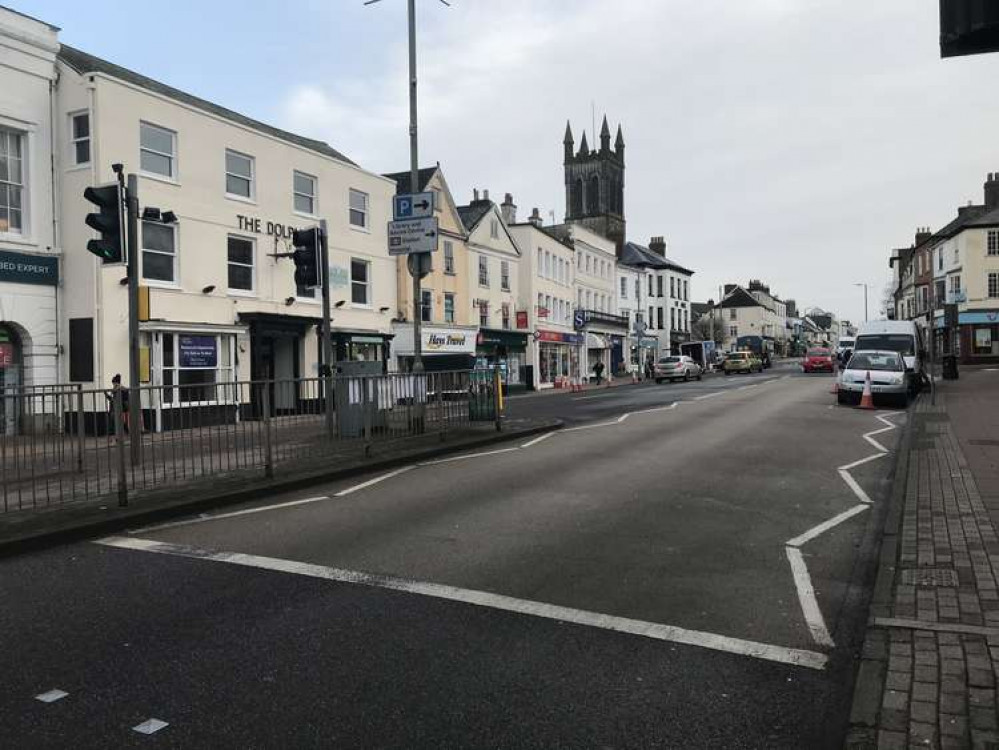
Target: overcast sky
<point x="795" y="141"/>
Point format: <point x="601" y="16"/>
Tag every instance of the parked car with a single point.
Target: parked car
<point x="818" y="360"/>
<point x="902" y="336"/>
<point x="677" y="368"/>
<point x="888" y="378"/>
<point x="742" y="362"/>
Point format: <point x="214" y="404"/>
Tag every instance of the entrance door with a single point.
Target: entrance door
<point x="10" y="379"/>
<point x="283" y="365"/>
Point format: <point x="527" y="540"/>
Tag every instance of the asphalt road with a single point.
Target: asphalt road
<point x="630" y="583"/>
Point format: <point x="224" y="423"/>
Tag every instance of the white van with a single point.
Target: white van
<point x="900" y="336"/>
<point x="845" y="348"/>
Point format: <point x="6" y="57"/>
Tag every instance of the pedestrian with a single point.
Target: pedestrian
<point x="598" y="370"/>
<point x="116" y="386"/>
<point x="648" y="369"/>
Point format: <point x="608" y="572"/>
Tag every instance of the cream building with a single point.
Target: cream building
<point x="547" y="303"/>
<point x="223" y="304"/>
<point x="32" y="285"/>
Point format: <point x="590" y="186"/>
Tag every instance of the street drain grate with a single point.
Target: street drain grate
<point x="929" y="577"/>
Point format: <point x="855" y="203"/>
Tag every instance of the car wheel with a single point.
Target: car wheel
<point x="659" y="381"/>
<point x="841" y="398"/>
<point x="699" y="376"/>
<point x="686" y="376"/>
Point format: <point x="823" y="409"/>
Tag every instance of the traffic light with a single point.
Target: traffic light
<point x="110" y="248"/>
<point x="306" y="257"/>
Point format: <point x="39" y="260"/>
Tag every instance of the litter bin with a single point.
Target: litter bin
<point x="950" y="367"/>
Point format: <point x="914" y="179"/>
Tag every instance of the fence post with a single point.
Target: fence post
<point x="498" y="398"/>
<point x="119" y="438"/>
<point x="366" y="407"/>
<point x="80" y="431"/>
<point x="268" y="439"/>
<point x="441" y="377"/>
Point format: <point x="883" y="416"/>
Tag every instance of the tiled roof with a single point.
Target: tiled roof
<point x="403" y="181"/>
<point x="473" y="213"/>
<point x="987" y="219"/>
<point x="84" y="63"/>
<point x="633" y="254"/>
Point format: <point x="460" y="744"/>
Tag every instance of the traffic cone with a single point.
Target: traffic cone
<point x="867" y="400"/>
<point x="835" y="389"/>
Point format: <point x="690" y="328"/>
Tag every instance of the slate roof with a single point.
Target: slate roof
<point x="84" y="63"/>
<point x="403" y="182"/>
<point x="965" y="215"/>
<point x="633" y="254"/>
<point x="986" y="219"/>
<point x="473" y="213"/>
<point x="739" y="297"/>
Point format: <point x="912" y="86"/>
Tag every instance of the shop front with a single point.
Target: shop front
<point x="443" y="348"/>
<point x="978" y="342"/>
<point x="558" y="358"/>
<point x="603" y="341"/>
<point x="508" y="350"/>
<point x="278" y="345"/>
<point x="356" y="352"/>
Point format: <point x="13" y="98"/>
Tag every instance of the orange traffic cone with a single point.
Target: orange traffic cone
<point x="835" y="389"/>
<point x="866" y="399"/>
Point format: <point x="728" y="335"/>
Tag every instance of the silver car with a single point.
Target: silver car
<point x="677" y="368"/>
<point x="888" y="380"/>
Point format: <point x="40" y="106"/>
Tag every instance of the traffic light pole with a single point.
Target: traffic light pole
<point x="135" y="394"/>
<point x="414" y="187"/>
<point x="324" y="270"/>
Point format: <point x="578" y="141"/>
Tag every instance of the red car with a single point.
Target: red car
<point x="818" y="360"/>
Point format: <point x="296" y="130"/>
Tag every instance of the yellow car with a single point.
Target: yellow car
<point x="742" y="362"/>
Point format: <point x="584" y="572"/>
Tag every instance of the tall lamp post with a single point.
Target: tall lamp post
<point x="860" y="283"/>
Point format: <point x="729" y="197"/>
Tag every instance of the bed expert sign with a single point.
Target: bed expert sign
<point x="198" y="351"/>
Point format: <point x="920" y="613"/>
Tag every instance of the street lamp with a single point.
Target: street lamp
<point x="860" y="283"/>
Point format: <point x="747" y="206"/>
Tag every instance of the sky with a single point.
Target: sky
<point x="793" y="141"/>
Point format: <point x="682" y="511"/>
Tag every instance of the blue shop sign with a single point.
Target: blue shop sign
<point x="21" y="268"/>
<point x="198" y="351"/>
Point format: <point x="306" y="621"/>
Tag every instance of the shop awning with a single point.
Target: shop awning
<point x="593" y="341"/>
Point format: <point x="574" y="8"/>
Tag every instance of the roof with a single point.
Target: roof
<point x="739" y="297"/>
<point x="965" y="214"/>
<point x="544" y="230"/>
<point x="84" y="63"/>
<point x="30" y="18"/>
<point x="473" y="213"/>
<point x="633" y="254"/>
<point x="403" y="182"/>
<point x="987" y="219"/>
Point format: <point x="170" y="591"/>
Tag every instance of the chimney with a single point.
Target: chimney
<point x="535" y="217"/>
<point x="992" y="192"/>
<point x="922" y="235"/>
<point x="509" y="209"/>
<point x="485" y="195"/>
<point x="475" y="194"/>
<point x="658" y="246"/>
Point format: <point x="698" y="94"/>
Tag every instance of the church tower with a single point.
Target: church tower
<point x="594" y="184"/>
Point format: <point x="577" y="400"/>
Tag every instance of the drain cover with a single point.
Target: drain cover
<point x="929" y="577"/>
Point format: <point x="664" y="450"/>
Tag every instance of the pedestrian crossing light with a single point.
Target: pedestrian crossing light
<point x="306" y="257"/>
<point x="108" y="222"/>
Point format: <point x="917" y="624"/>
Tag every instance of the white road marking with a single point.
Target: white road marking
<point x="658" y="408"/>
<point x="855" y="464"/>
<point x="623" y="417"/>
<point x="746" y="387"/>
<point x="590" y="426"/>
<point x="806" y="596"/>
<point x="150" y="726"/>
<point x="588" y="398"/>
<point x="537" y="440"/>
<point x="857" y="489"/>
<point x="376" y="480"/>
<point x="825" y="526"/>
<point x="708" y="395"/>
<point x="51" y="696"/>
<point x="468" y="455"/>
<point x="249" y="511"/>
<point x="714" y="641"/>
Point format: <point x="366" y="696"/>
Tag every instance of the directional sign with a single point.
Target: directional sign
<point x="412" y="236"/>
<point x="413" y="206"/>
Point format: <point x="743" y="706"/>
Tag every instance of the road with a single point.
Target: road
<point x="684" y="566"/>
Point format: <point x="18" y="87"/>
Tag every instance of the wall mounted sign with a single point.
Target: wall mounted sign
<point x="198" y="351"/>
<point x="272" y="228"/>
<point x="21" y="268"/>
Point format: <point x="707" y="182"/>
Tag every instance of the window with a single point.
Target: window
<point x="159" y="252"/>
<point x="940" y="290"/>
<point x="547" y="268"/>
<point x="957" y="255"/>
<point x="541" y="262"/>
<point x="504" y="276"/>
<point x="360" y="277"/>
<point x="238" y="174"/>
<point x="659" y="286"/>
<point x="993" y="242"/>
<point x="733" y="313"/>
<point x="79" y="125"/>
<point x="686" y="320"/>
<point x="589" y="300"/>
<point x="448" y="307"/>
<point x="241" y="263"/>
<point x="686" y="289"/>
<point x="651" y="315"/>
<point x="358" y="209"/>
<point x="624" y="288"/>
<point x="483" y="271"/>
<point x="494" y="229"/>
<point x="448" y="257"/>
<point x="638" y="287"/>
<point x="192" y="365"/>
<point x="505" y="312"/>
<point x="304" y="193"/>
<point x="11" y="181"/>
<point x="672" y="287"/>
<point x="940" y="259"/>
<point x="587" y="263"/>
<point x="733" y="332"/>
<point x="541" y="304"/>
<point x="650" y="284"/>
<point x="993" y="285"/>
<point x="483" y="314"/>
<point x="955" y="284"/>
<point x="156" y="150"/>
<point x="426" y="305"/>
<point x="659" y="317"/>
<point x="672" y="319"/>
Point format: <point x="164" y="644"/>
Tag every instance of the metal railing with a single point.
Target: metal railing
<point x="60" y="444"/>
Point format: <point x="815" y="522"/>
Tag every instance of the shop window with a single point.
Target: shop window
<point x="11" y="181"/>
<point x="304" y="193"/>
<point x="192" y="367"/>
<point x="448" y="257"/>
<point x="79" y="127"/>
<point x="157" y="150"/>
<point x="241" y="252"/>
<point x="358" y="209"/>
<point x="360" y="277"/>
<point x="238" y="174"/>
<point x="448" y="307"/>
<point x="426" y="305"/>
<point x="982" y="342"/>
<point x="159" y="252"/>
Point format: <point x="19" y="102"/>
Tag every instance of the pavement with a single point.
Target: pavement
<point x="683" y="567"/>
<point x="931" y="651"/>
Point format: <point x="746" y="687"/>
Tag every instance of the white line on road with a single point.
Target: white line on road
<point x="51" y="696"/>
<point x="468" y="455"/>
<point x="599" y="395"/>
<point x="658" y="408"/>
<point x="249" y="511"/>
<point x="590" y="426"/>
<point x="855" y="464"/>
<point x="708" y="395"/>
<point x="857" y="489"/>
<point x="714" y="641"/>
<point x="623" y="417"/>
<point x="537" y="440"/>
<point x="825" y="526"/>
<point x="150" y="726"/>
<point x="376" y="480"/>
<point x="806" y="596"/>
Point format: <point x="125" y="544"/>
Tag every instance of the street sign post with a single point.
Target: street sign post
<point x="413" y="206"/>
<point x="409" y="236"/>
